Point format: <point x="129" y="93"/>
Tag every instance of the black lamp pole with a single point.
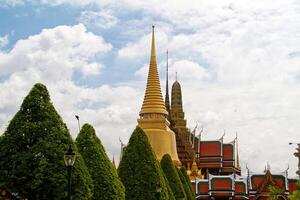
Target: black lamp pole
<point x="69" y="159"/>
<point x="77" y="117"/>
<point x="158" y="191"/>
<point x="69" y="171"/>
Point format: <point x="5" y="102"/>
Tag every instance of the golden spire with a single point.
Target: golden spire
<point x="153" y="100"/>
<point x="167" y="98"/>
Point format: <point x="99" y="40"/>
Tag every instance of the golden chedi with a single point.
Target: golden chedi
<point x="153" y="114"/>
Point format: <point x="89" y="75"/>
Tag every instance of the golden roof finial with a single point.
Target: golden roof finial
<point x="153" y="100"/>
<point x="195" y="172"/>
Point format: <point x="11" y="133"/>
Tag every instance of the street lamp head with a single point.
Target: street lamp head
<point x="158" y="188"/>
<point x="69" y="157"/>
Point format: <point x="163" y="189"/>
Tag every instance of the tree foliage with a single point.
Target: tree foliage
<point x="275" y="192"/>
<point x="32" y="150"/>
<point x="188" y="192"/>
<point x="107" y="184"/>
<point x="172" y="176"/>
<point x="140" y="172"/>
<point x="188" y="181"/>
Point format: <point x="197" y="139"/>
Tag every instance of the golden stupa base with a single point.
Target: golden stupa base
<point x="161" y="138"/>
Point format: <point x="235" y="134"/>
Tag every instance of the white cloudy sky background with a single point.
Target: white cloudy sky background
<point x="237" y="61"/>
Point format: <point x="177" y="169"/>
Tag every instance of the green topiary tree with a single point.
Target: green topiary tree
<point x="188" y="181"/>
<point x="107" y="184"/>
<point x="170" y="192"/>
<point x="140" y="172"/>
<point x="172" y="176"/>
<point x="32" y="151"/>
<point x="188" y="192"/>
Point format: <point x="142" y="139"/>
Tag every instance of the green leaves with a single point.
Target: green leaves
<point x="275" y="192"/>
<point x="32" y="150"/>
<point x="188" y="181"/>
<point x="107" y="184"/>
<point x="187" y="190"/>
<point x="140" y="172"/>
<point x="172" y="176"/>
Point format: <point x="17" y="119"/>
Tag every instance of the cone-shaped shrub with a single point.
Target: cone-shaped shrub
<point x="172" y="176"/>
<point x="140" y="172"/>
<point x="170" y="192"/>
<point x="32" y="153"/>
<point x="188" y="181"/>
<point x="188" y="192"/>
<point x="107" y="184"/>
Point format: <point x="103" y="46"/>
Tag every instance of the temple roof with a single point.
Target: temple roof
<point x="260" y="182"/>
<point x="153" y="101"/>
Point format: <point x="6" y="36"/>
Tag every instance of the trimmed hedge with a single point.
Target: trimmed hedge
<point x="32" y="153"/>
<point x="107" y="184"/>
<point x="188" y="181"/>
<point x="140" y="172"/>
<point x="172" y="176"/>
<point x="188" y="192"/>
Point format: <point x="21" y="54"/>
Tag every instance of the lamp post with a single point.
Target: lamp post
<point x="297" y="154"/>
<point x="158" y="191"/>
<point x="69" y="159"/>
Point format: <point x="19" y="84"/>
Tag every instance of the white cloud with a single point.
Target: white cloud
<point x="142" y="72"/>
<point x="52" y="57"/>
<point x="77" y="3"/>
<point x="102" y="19"/>
<point x="9" y="3"/>
<point x="246" y="54"/>
<point x="56" y="51"/>
<point x="187" y="69"/>
<point x="141" y="48"/>
<point x="4" y="41"/>
<point x="238" y="64"/>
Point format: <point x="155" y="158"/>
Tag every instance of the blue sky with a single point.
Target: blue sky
<point x="237" y="62"/>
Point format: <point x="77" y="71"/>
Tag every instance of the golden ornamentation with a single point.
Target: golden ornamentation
<point x="153" y="114"/>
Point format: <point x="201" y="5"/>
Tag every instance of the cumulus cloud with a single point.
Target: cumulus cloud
<point x="4" y="41"/>
<point x="56" y="51"/>
<point x="245" y="57"/>
<point x="187" y="69"/>
<point x="102" y="19"/>
<point x="77" y="3"/>
<point x="141" y="48"/>
<point x="52" y="57"/>
<point x="237" y="61"/>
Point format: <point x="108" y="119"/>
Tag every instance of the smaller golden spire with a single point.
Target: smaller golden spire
<point x="194" y="172"/>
